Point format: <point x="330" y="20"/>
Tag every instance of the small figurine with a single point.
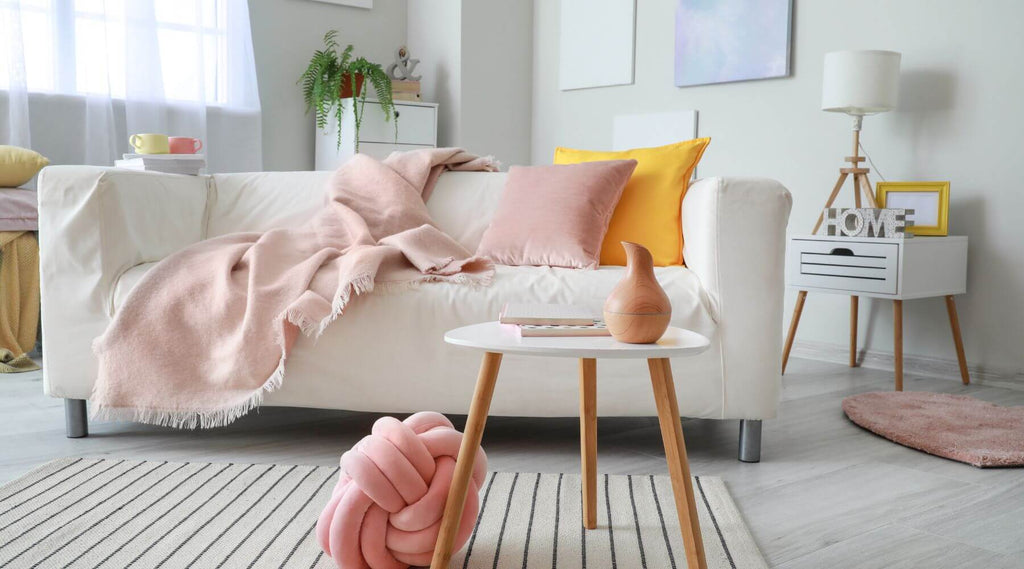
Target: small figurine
<point x="403" y="67"/>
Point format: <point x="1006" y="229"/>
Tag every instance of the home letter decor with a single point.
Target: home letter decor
<point x="867" y="222"/>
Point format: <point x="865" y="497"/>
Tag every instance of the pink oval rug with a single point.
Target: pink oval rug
<point x="952" y="426"/>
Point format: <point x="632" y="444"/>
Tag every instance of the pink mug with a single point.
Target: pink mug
<point x="184" y="145"/>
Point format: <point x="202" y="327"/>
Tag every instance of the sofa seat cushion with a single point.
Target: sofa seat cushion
<point x="387" y="353"/>
<point x="433" y="308"/>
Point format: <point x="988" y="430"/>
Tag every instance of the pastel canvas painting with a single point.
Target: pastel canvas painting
<point x="719" y="41"/>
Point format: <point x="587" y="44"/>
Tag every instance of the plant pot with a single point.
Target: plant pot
<point x="638" y="310"/>
<point x="346" y="85"/>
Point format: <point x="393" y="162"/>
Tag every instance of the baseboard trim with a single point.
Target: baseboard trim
<point x="917" y="365"/>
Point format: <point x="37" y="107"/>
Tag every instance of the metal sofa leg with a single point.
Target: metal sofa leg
<point x="750" y="440"/>
<point x="77" y="418"/>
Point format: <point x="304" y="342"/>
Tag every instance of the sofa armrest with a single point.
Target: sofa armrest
<point x="734" y="235"/>
<point x="95" y="224"/>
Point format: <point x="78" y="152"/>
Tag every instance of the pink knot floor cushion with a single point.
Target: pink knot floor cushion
<point x="386" y="509"/>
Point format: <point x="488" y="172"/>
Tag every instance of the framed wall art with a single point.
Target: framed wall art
<point x="596" y="43"/>
<point x="929" y="200"/>
<point x="721" y="41"/>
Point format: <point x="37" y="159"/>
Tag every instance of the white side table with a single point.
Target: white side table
<point x="896" y="269"/>
<point x="495" y="340"/>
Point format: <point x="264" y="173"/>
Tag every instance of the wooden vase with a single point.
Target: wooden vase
<point x="638" y="310"/>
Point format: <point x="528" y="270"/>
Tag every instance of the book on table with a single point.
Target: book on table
<point x="597" y="328"/>
<point x="546" y="314"/>
<point x="404" y="86"/>
<point x="551" y="320"/>
<point x="189" y="164"/>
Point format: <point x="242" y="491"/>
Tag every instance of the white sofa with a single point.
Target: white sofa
<point x="101" y="229"/>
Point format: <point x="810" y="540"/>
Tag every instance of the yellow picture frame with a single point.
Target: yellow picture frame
<point x="915" y="195"/>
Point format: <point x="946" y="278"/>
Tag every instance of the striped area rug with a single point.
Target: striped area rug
<point x="119" y="513"/>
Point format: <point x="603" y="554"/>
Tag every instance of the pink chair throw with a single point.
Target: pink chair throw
<point x="386" y="508"/>
<point x="205" y="334"/>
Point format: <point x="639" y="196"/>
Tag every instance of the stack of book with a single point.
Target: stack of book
<point x="188" y="164"/>
<point x="540" y="320"/>
<point x="405" y="90"/>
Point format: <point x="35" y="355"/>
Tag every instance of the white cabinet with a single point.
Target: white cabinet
<point x="416" y="128"/>
<point x="918" y="267"/>
<point x="896" y="269"/>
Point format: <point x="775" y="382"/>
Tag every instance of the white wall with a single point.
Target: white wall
<point x="284" y="35"/>
<point x="476" y="61"/>
<point x="497" y="78"/>
<point x="959" y="119"/>
<point x="435" y="38"/>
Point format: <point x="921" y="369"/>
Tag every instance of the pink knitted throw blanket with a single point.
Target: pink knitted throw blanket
<point x="206" y="333"/>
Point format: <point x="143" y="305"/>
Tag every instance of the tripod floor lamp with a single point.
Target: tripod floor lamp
<point x="858" y="83"/>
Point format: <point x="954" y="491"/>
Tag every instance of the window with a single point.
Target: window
<point x="174" y="50"/>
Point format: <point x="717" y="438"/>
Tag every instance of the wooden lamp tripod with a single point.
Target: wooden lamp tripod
<point x="860" y="177"/>
<point x="857" y="83"/>
<point x="861" y="184"/>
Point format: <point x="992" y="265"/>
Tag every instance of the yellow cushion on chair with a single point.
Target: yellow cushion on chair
<point x="649" y="212"/>
<point x="18" y="165"/>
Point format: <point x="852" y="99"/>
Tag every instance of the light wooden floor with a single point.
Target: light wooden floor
<point x="826" y="494"/>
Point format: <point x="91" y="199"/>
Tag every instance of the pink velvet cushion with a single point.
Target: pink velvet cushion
<point x="555" y="215"/>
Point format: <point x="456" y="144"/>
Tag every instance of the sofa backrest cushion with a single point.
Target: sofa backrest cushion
<point x="462" y="202"/>
<point x="258" y="201"/>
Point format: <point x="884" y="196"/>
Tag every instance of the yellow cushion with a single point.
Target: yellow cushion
<point x="649" y="212"/>
<point x="18" y="165"/>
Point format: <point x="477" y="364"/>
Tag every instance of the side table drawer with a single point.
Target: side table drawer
<point x="846" y="265"/>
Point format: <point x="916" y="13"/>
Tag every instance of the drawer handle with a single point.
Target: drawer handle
<point x="841" y="251"/>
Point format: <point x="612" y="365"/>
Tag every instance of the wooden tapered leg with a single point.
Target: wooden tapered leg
<point x="831" y="199"/>
<point x="588" y="439"/>
<point x="464" y="463"/>
<point x="954" y="324"/>
<point x="797" y="310"/>
<point x="869" y="194"/>
<point x="854" y="305"/>
<point x="678" y="465"/>
<point x="897" y="340"/>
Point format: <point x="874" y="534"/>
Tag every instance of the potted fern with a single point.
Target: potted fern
<point x="334" y="75"/>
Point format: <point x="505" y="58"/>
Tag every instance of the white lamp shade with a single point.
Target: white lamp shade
<point x="860" y="82"/>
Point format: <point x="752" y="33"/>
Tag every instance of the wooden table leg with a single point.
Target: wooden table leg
<point x="897" y="341"/>
<point x="854" y="305"/>
<point x="831" y="199"/>
<point x="954" y="324"/>
<point x="797" y="310"/>
<point x="588" y="439"/>
<point x="464" y="463"/>
<point x="678" y="465"/>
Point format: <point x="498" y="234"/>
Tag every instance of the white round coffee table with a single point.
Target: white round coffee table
<point x="495" y="339"/>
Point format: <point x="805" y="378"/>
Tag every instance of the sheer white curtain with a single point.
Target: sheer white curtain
<point x="78" y="76"/>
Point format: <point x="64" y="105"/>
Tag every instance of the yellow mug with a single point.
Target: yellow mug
<point x="149" y="143"/>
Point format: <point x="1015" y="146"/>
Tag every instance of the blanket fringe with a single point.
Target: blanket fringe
<point x="189" y="419"/>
